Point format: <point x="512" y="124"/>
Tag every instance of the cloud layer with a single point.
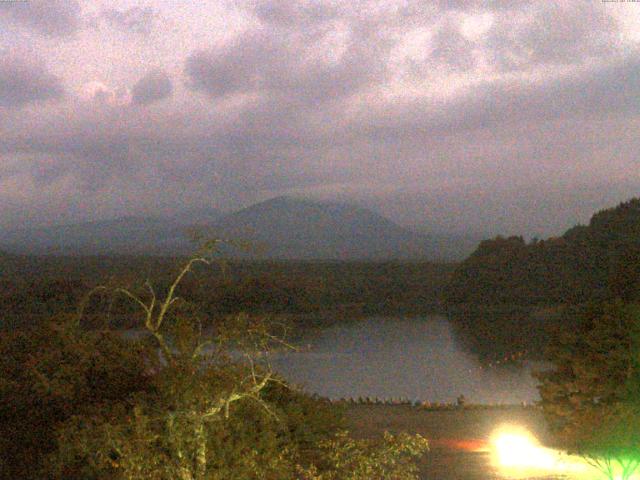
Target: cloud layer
<point x="49" y="17"/>
<point x="23" y="82"/>
<point x="152" y="87"/>
<point x="135" y="108"/>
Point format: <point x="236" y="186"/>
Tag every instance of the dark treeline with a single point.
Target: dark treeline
<point x="595" y="262"/>
<point x="511" y="296"/>
<point x="35" y="287"/>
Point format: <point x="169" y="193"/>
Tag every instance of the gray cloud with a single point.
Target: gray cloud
<point x="303" y="97"/>
<point x="22" y="82"/>
<point x="233" y="70"/>
<point x="50" y="17"/>
<point x="524" y="35"/>
<point x="452" y="48"/>
<point x="315" y="52"/>
<point x="282" y="64"/>
<point x="610" y="90"/>
<point x="135" y="19"/>
<point x="293" y="14"/>
<point x="556" y="33"/>
<point x="154" y="86"/>
<point x="496" y="5"/>
<point x="280" y="145"/>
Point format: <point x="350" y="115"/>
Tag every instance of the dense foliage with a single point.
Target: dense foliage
<point x="343" y="458"/>
<point x="595" y="262"/>
<point x="32" y="288"/>
<point x="505" y="333"/>
<point x="175" y="404"/>
<point x="51" y="373"/>
<point x="591" y="396"/>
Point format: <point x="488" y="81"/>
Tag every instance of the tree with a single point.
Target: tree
<point x="169" y="434"/>
<point x="392" y="457"/>
<point x="52" y="373"/>
<point x="591" y="397"/>
<point x="216" y="410"/>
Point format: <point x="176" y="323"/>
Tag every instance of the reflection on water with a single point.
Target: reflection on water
<point x="418" y="359"/>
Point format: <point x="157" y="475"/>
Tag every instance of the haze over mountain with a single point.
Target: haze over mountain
<point x="281" y="228"/>
<point x="285" y="227"/>
<point x="124" y="235"/>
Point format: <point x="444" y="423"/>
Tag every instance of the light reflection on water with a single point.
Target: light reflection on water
<point x="417" y="359"/>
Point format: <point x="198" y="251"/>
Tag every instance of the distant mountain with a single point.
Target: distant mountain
<point x="452" y="247"/>
<point x="597" y="261"/>
<point x="125" y="235"/>
<point x="289" y="228"/>
<point x="279" y="228"/>
<point x="196" y="216"/>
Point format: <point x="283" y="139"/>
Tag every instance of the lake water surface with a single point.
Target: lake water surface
<point x="391" y="357"/>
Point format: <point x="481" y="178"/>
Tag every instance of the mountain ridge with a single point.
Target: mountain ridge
<point x="128" y="234"/>
<point x="310" y="229"/>
<point x="282" y="227"/>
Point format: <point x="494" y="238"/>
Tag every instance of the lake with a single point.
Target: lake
<point x="420" y="359"/>
<point x="390" y="357"/>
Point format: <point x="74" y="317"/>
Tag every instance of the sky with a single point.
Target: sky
<point x="453" y="115"/>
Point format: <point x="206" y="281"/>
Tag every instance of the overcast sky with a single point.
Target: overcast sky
<point x="493" y="116"/>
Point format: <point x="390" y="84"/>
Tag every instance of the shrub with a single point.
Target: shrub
<point x="590" y="396"/>
<point x="51" y="373"/>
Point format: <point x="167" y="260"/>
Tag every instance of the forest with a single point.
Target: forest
<point x="510" y="300"/>
<point x="597" y="261"/>
<point x="505" y="299"/>
<point x="510" y="295"/>
<point x="314" y="293"/>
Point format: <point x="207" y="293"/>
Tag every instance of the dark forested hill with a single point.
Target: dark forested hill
<point x="596" y="261"/>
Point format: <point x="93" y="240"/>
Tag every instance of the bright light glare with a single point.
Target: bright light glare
<point x="515" y="449"/>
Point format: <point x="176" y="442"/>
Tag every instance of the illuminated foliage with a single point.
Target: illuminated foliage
<point x="176" y="404"/>
<point x="591" y="398"/>
<point x="343" y="458"/>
